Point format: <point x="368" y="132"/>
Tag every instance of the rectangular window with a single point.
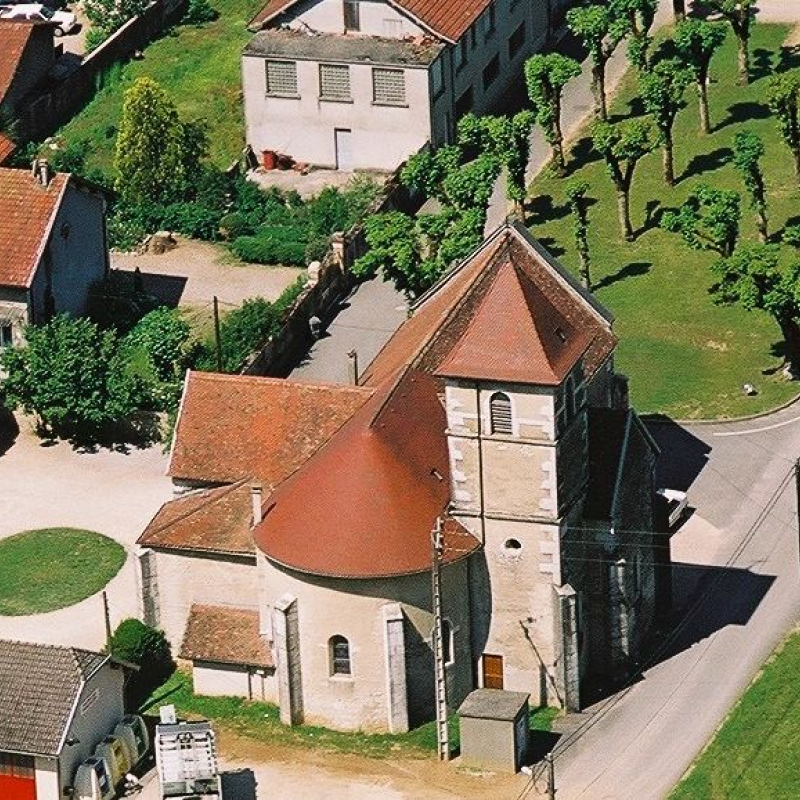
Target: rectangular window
<point x="491" y="72"/>
<point x="464" y="103"/>
<point x="282" y="78"/>
<point x="488" y="22"/>
<point x="516" y="40"/>
<point x="334" y="82"/>
<point x="17" y="766"/>
<point x="388" y="87"/>
<point x="437" y="77"/>
<point x="473" y="35"/>
<point x="352" y="18"/>
<point x="461" y="53"/>
<point x="392" y="28"/>
<point x="6" y="336"/>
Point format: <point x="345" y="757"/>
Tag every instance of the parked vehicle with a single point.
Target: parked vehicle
<point x="186" y="760"/>
<point x="132" y="732"/>
<point x="115" y="753"/>
<point x="65" y="21"/>
<point x="93" y="781"/>
<point x="677" y="503"/>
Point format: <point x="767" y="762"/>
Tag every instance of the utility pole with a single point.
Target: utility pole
<point x="442" y="734"/>
<point x="107" y="615"/>
<point x="551" y="777"/>
<point x="217" y="339"/>
<point x="797" y="493"/>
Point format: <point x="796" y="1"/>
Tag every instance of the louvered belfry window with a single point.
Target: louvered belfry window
<point x="500" y="414"/>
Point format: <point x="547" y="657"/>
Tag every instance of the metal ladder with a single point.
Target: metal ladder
<point x="442" y="733"/>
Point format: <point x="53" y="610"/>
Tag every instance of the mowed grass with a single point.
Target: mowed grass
<point x="685" y="356"/>
<point x="50" y="568"/>
<point x="261" y="722"/>
<point x="198" y="66"/>
<point x="756" y="752"/>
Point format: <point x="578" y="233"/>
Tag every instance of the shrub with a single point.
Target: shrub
<point x="198" y="12"/>
<point x="192" y="219"/>
<point x="236" y="224"/>
<point x="269" y="248"/>
<point x="163" y="335"/>
<point x="94" y="38"/>
<point x="148" y="649"/>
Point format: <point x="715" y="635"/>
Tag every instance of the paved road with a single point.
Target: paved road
<point x="738" y="580"/>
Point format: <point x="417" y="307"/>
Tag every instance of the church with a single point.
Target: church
<point x="294" y="564"/>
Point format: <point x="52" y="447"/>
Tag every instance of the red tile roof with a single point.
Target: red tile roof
<point x="448" y="19"/>
<point x="15" y="37"/>
<point x="27" y="210"/>
<point x="517" y="335"/>
<point x="234" y="427"/>
<point x="214" y="520"/>
<point x="7" y="147"/>
<point x="226" y="636"/>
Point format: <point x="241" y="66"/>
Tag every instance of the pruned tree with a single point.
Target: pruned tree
<point x="546" y="75"/>
<point x="697" y="40"/>
<point x="791" y="236"/>
<point x="640" y="15"/>
<point x="579" y="207"/>
<point x="748" y="150"/>
<point x="623" y="145"/>
<point x="708" y="220"/>
<point x="783" y="96"/>
<point x="502" y="141"/>
<point x="752" y="278"/>
<point x="740" y="14"/>
<point x="662" y="90"/>
<point x="600" y="31"/>
<point x="156" y="153"/>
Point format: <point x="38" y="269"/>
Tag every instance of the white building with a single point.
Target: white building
<point x="363" y="84"/>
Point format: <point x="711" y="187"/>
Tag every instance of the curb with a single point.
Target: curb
<point x="655" y="418"/>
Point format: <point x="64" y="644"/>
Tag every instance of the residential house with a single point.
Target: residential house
<point x="363" y="84"/>
<point x="493" y="412"/>
<point x="56" y="705"/>
<point x="52" y="246"/>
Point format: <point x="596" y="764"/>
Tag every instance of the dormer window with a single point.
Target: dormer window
<point x="352" y="18"/>
<point x="562" y="336"/>
<point x="500" y="420"/>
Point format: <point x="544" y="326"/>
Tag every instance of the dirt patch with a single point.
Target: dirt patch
<point x="793" y="39"/>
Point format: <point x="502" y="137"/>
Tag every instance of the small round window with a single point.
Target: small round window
<point x="512" y="545"/>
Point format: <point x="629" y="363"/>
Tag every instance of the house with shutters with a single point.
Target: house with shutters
<point x="363" y="84"/>
<point x="53" y="246"/>
<point x="295" y="563"/>
<point x="56" y="705"/>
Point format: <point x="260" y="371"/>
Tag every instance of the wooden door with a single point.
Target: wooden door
<point x="492" y="672"/>
<point x="344" y="148"/>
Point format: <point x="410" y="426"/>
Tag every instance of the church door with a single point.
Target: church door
<point x="492" y="672"/>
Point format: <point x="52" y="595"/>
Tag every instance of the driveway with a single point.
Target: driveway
<point x="113" y="493"/>
<point x="738" y="591"/>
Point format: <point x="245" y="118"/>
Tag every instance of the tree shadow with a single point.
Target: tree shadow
<point x="652" y="217"/>
<point x="552" y="246"/>
<point x="9" y="430"/>
<point x="707" y="162"/>
<point x="631" y="270"/>
<point x="140" y="431"/>
<point x="581" y="154"/>
<point x="788" y="58"/>
<point x="543" y="209"/>
<point x="239" y="784"/>
<point x="761" y="63"/>
<point x="635" y="109"/>
<point x="743" y="112"/>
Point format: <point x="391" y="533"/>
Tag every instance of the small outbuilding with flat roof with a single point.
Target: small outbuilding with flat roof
<point x="494" y="729"/>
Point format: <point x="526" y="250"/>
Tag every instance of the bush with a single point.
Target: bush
<point x="148" y="649"/>
<point x="269" y="248"/>
<point x="236" y="224"/>
<point x="94" y="38"/>
<point x="192" y="219"/>
<point x="198" y="12"/>
<point x="163" y="335"/>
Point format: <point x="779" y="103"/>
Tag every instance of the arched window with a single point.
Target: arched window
<point x="339" y="653"/>
<point x="500" y="414"/>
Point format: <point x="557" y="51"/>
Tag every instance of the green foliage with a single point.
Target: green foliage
<point x="157" y="155"/>
<point x="425" y="172"/>
<point x="108" y="16"/>
<point x="199" y="11"/>
<point x="269" y="247"/>
<point x="576" y="191"/>
<point x="640" y="15"/>
<point x="708" y="220"/>
<point x="163" y="335"/>
<point x="394" y="244"/>
<point x="95" y="37"/>
<point x="783" y="96"/>
<point x="71" y="376"/>
<point x="191" y="219"/>
<point x="791" y="236"/>
<point x="748" y="150"/>
<point x="148" y="649"/>
<point x="740" y="14"/>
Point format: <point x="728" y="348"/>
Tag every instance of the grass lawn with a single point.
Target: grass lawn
<point x="756" y="752"/>
<point x="260" y="721"/>
<point x="51" y="568"/>
<point x="198" y="66"/>
<point x="685" y="356"/>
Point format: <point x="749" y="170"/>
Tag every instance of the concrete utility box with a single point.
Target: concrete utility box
<point x="494" y="729"/>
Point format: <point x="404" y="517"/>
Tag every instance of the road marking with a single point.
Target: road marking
<point x="759" y="430"/>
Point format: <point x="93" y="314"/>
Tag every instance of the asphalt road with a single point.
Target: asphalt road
<point x="737" y="585"/>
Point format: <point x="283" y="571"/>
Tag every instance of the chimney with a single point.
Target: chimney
<point x="41" y="172"/>
<point x="352" y="367"/>
<point x="256" y="491"/>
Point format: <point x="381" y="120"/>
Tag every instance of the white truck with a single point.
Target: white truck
<point x="186" y="761"/>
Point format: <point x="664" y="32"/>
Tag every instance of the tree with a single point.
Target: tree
<point x="144" y="647"/>
<point x="708" y="220"/>
<point x="639" y="16"/>
<point x="162" y="335"/>
<point x="578" y="205"/>
<point x="546" y="75"/>
<point x="623" y="145"/>
<point x="783" y="96"/>
<point x="752" y="278"/>
<point x="697" y="41"/>
<point x="157" y="155"/>
<point x="748" y="149"/>
<point x="108" y="16"/>
<point x="71" y="375"/>
<point x="740" y="14"/>
<point x="601" y="32"/>
<point x="662" y="91"/>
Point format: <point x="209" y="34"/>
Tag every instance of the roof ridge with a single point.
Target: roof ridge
<point x="222" y="377"/>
